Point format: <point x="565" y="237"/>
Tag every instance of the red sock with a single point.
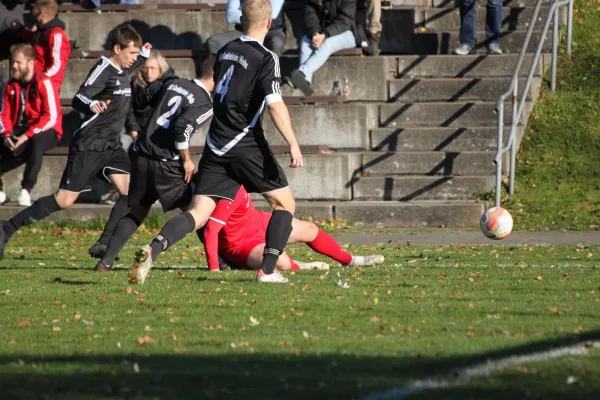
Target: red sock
<point x="295" y="266"/>
<point x="327" y="246"/>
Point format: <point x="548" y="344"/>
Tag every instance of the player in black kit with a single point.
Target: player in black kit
<point x="236" y="152"/>
<point x="96" y="148"/>
<point x="162" y="168"/>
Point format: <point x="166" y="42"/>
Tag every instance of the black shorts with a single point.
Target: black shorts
<point x="82" y="166"/>
<point x="153" y="180"/>
<point x="259" y="174"/>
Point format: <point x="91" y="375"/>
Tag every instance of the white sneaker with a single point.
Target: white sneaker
<point x="313" y="265"/>
<point x="24" y="199"/>
<point x="463" y="49"/>
<point x="3" y="197"/>
<point x="494" y="48"/>
<point x="142" y="263"/>
<point x="366" y="261"/>
<point x="275" y="277"/>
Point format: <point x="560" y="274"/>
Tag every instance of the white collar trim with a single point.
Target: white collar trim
<point x="111" y="63"/>
<point x="245" y="38"/>
<point x="199" y="83"/>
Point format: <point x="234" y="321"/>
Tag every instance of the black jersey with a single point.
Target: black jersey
<point x="247" y="76"/>
<point x="106" y="81"/>
<point x="180" y="106"/>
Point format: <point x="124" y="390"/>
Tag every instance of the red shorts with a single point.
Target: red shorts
<point x="254" y="235"/>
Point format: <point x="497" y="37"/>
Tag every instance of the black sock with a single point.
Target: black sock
<point x="176" y="229"/>
<point x="32" y="214"/>
<point x="200" y="234"/>
<point x="123" y="231"/>
<point x="119" y="210"/>
<point x="278" y="233"/>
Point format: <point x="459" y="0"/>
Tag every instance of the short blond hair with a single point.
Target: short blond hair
<point x="255" y="13"/>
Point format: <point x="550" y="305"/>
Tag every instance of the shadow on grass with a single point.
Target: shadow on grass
<point x="271" y="376"/>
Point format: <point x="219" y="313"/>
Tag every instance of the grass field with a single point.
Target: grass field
<point x="69" y="332"/>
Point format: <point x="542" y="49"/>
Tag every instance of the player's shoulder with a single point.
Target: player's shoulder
<point x="247" y="47"/>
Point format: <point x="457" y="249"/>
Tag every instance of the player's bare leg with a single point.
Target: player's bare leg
<point x="119" y="210"/>
<point x="174" y="230"/>
<point x="278" y="232"/>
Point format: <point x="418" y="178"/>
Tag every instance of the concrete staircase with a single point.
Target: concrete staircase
<point x="413" y="145"/>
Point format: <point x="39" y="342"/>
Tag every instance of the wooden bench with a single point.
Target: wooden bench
<point x="185" y="53"/>
<point x="142" y="7"/>
<point x="277" y="149"/>
<point x="296" y="100"/>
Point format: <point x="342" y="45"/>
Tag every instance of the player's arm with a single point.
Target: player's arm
<point x="146" y="97"/>
<point x="94" y="84"/>
<point x="50" y="109"/>
<point x="270" y="83"/>
<point x="185" y="126"/>
<point x="142" y="57"/>
<point x="59" y="56"/>
<point x="216" y="222"/>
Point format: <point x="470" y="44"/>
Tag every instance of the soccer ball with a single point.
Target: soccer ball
<point x="496" y="223"/>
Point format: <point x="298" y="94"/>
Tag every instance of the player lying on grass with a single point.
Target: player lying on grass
<point x="237" y="231"/>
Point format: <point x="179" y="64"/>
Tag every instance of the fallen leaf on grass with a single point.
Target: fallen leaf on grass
<point x="147" y="328"/>
<point x="7" y="291"/>
<point x="374" y="319"/>
<point x="24" y="323"/>
<point x="343" y="285"/>
<point x="56" y="329"/>
<point x="172" y="336"/>
<point x="254" y="321"/>
<point x="305" y="334"/>
<point x="129" y="290"/>
<point x="145" y="340"/>
<point x="77" y="316"/>
<point x="539" y="278"/>
<point x="306" y="287"/>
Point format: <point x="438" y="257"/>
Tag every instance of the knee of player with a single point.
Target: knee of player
<point x="65" y="199"/>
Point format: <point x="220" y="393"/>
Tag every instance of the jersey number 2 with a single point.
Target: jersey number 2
<point x="174" y="103"/>
<point x="223" y="85"/>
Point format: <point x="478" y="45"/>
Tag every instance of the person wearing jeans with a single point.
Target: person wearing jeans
<point x="330" y="27"/>
<point x="468" y="26"/>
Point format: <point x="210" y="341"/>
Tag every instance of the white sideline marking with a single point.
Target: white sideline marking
<point x="462" y="376"/>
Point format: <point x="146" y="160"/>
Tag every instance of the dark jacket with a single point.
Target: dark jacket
<point x="331" y="17"/>
<point x="137" y="118"/>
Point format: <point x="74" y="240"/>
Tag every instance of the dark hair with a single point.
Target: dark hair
<point x="23" y="48"/>
<point x="205" y="64"/>
<point x="125" y="35"/>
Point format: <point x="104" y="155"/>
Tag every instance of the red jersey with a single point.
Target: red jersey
<point x="52" y="49"/>
<point x="42" y="107"/>
<point x="228" y="224"/>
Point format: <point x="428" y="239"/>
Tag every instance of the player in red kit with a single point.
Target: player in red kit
<point x="236" y="230"/>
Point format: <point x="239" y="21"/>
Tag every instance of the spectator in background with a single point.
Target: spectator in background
<point x="48" y="37"/>
<point x="330" y="27"/>
<point x="154" y="70"/>
<point x="31" y="120"/>
<point x="11" y="11"/>
<point x="275" y="39"/>
<point x="374" y="28"/>
<point x="468" y="26"/>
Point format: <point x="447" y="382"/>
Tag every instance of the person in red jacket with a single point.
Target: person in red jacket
<point x="237" y="232"/>
<point x="31" y="120"/>
<point x="51" y="43"/>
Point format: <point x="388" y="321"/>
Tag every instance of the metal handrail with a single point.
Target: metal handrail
<point x="518" y="103"/>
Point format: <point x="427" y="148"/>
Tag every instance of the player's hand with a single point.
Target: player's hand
<point x="134" y="135"/>
<point x="317" y="40"/>
<point x="8" y="142"/>
<point x="101" y="106"/>
<point x="190" y="168"/>
<point x="296" y="156"/>
<point x="19" y="142"/>
<point x="147" y="46"/>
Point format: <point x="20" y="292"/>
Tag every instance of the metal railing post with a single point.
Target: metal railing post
<point x="554" y="50"/>
<point x="570" y="28"/>
<point x="498" y="158"/>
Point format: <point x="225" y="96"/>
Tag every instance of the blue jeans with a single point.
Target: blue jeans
<point x="493" y="22"/>
<point x="312" y="59"/>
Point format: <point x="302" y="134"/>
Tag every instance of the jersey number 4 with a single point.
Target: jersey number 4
<point x="223" y="85"/>
<point x="174" y="103"/>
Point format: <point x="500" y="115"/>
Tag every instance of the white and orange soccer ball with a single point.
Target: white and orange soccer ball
<point x="496" y="223"/>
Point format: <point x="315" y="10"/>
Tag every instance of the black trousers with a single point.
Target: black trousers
<point x="31" y="155"/>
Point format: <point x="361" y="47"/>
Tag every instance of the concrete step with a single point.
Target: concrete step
<point x="455" y="3"/>
<point x="475" y="163"/>
<point x="447" y="42"/>
<point x="434" y="139"/>
<point x="470" y="66"/>
<point x="417" y="214"/>
<point x="409" y="188"/>
<point x="455" y="114"/>
<point x="307" y="183"/>
<point x="341" y="126"/>
<point x="457" y="89"/>
<point x="366" y="75"/>
<point x="448" y="19"/>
